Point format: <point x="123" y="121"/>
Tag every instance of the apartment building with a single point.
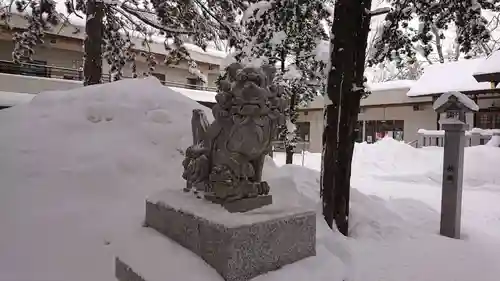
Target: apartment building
<point x="60" y="57"/>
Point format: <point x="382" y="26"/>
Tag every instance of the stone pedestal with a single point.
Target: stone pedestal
<point x="453" y="161"/>
<point x="239" y="246"/>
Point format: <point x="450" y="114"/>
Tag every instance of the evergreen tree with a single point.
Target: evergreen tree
<point x="402" y="41"/>
<point x="288" y="34"/>
<point x="111" y="25"/>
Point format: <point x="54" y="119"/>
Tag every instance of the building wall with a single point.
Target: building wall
<point x="53" y="57"/>
<point x="425" y="118"/>
<point x="315" y="119"/>
<point x="413" y="120"/>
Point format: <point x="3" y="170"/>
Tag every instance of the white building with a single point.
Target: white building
<point x="401" y="108"/>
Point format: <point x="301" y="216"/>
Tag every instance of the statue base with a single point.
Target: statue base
<point x="242" y="205"/>
<point x="239" y="246"/>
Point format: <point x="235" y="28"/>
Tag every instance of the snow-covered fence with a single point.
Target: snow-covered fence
<point x="472" y="138"/>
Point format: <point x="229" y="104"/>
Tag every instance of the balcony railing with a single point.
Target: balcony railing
<point x="42" y="70"/>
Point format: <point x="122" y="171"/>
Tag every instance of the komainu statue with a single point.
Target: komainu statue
<point x="226" y="159"/>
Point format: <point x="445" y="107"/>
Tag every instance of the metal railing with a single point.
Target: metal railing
<point x="57" y="72"/>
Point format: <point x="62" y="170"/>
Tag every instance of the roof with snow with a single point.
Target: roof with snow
<point x="489" y="69"/>
<point x="454" y="101"/>
<point x="450" y="77"/>
<point x="383" y="93"/>
<point x="391" y="85"/>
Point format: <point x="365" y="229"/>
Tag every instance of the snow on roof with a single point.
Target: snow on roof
<point x="391" y="85"/>
<point x="11" y="99"/>
<point x="449" y="77"/>
<point x="197" y="95"/>
<point x="466" y="101"/>
<point x="381" y="93"/>
<point x="489" y="65"/>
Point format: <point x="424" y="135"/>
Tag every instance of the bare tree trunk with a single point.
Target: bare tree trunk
<point x="92" y="68"/>
<point x="439" y="45"/>
<point x="344" y="89"/>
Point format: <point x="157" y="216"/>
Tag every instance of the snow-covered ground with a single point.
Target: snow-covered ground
<point x="76" y="166"/>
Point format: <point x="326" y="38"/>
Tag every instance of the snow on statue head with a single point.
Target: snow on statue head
<point x="226" y="160"/>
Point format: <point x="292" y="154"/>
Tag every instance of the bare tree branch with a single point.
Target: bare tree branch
<point x="439" y="45"/>
<point x="137" y="13"/>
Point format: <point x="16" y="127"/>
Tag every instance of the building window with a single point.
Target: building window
<point x="303" y="131"/>
<point x="488" y="119"/>
<point x="418" y="107"/>
<point x="378" y="129"/>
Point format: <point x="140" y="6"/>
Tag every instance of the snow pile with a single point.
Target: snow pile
<point x="494" y="141"/>
<point x="395" y="239"/>
<point x="76" y="166"/>
<point x="389" y="159"/>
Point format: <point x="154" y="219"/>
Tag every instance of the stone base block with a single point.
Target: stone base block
<point x="239" y="246"/>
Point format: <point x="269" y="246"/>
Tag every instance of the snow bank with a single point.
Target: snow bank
<point x="494" y="141"/>
<point x="391" y="159"/>
<point x="76" y="167"/>
<point x="10" y="99"/>
<point x="392" y="239"/>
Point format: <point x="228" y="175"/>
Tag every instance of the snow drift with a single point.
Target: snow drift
<point x="76" y="167"/>
<point x="395" y="160"/>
